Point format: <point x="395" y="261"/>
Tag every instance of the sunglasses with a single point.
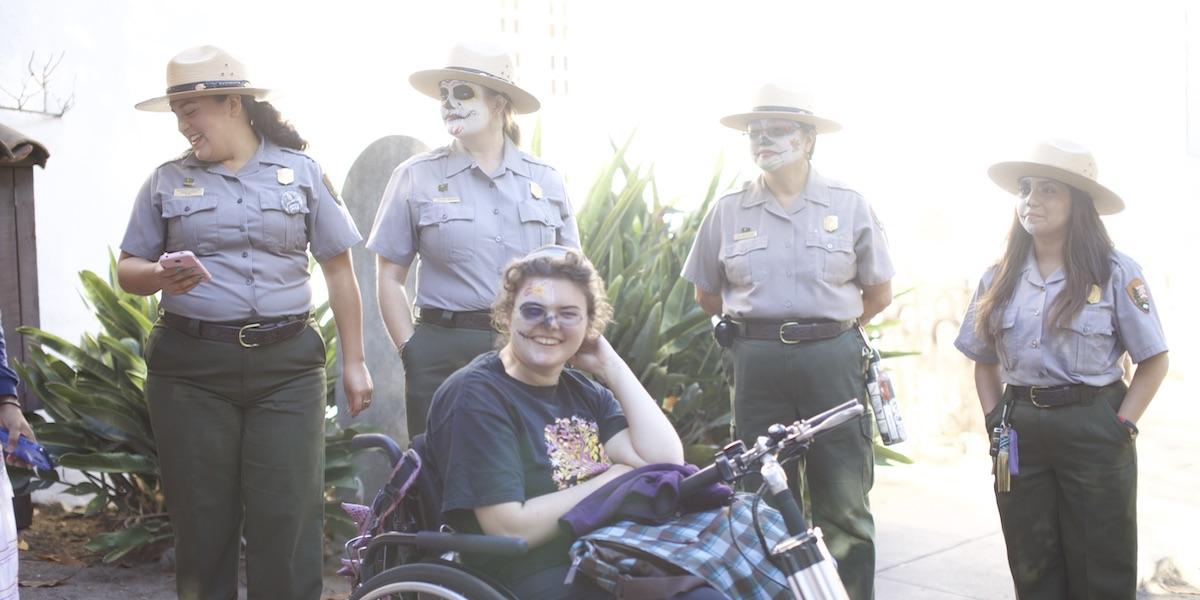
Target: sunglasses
<point x="461" y="91"/>
<point x="777" y="131"/>
<point x="533" y="312"/>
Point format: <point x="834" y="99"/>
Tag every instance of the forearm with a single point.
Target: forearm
<point x="709" y="303"/>
<point x="1147" y="378"/>
<point x="653" y="438"/>
<point x="875" y="299"/>
<point x="536" y="519"/>
<point x="988" y="386"/>
<point x="393" y="300"/>
<point x="136" y="275"/>
<point x="345" y="300"/>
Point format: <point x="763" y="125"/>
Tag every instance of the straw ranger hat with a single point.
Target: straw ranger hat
<point x="1060" y="160"/>
<point x="485" y="64"/>
<point x="774" y="102"/>
<point x="204" y="71"/>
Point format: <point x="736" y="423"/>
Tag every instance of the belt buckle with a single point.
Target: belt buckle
<point x="784" y="326"/>
<point x="1033" y="397"/>
<point x="242" y="333"/>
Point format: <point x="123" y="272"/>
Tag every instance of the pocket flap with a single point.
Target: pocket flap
<point x="538" y="212"/>
<point x="430" y="214"/>
<point x="291" y="201"/>
<point x="181" y="207"/>
<point x="832" y="243"/>
<point x="1009" y="318"/>
<point x="1092" y="322"/>
<point x="741" y="247"/>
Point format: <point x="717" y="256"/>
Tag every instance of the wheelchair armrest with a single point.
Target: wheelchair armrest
<point x="365" y="441"/>
<point x="491" y="545"/>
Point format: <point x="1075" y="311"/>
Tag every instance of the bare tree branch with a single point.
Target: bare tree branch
<point x="37" y="81"/>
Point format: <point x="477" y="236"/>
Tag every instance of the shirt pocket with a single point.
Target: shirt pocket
<point x="833" y="258"/>
<point x="745" y="260"/>
<point x="1009" y="341"/>
<point x="1093" y="341"/>
<point x="191" y="223"/>
<point x="284" y="211"/>
<point x="446" y="231"/>
<point x="540" y="221"/>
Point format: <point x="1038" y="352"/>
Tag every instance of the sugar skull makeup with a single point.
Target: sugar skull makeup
<point x="464" y="107"/>
<point x="776" y="142"/>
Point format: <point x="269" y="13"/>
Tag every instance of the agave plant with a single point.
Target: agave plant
<point x="100" y="425"/>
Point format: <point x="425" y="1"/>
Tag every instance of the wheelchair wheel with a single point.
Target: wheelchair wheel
<point x="426" y="581"/>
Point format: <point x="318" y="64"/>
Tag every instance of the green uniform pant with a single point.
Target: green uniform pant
<point x="780" y="383"/>
<point x="240" y="435"/>
<point x="431" y="355"/>
<point x="1070" y="520"/>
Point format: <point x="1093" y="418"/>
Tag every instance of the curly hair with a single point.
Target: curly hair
<point x="554" y="262"/>
<point x="266" y="120"/>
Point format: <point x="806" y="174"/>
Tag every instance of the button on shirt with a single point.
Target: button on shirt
<point x="467" y="225"/>
<point x="810" y="261"/>
<point x="252" y="230"/>
<point x="1032" y="351"/>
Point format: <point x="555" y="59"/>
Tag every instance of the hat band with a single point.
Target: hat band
<point x="482" y="72"/>
<point x="197" y="86"/>
<point x="791" y="109"/>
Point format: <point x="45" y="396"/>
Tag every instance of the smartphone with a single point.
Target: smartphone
<point x="184" y="259"/>
<point x="30" y="452"/>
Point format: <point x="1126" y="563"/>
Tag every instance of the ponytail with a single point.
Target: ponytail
<point x="267" y="122"/>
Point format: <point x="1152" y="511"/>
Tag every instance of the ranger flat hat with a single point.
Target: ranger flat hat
<point x="1060" y="160"/>
<point x="204" y="71"/>
<point x="775" y="102"/>
<point x="486" y="64"/>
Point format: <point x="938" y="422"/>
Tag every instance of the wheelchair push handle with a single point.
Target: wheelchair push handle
<point x="366" y="441"/>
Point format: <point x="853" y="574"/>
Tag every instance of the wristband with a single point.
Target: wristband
<point x="12" y="401"/>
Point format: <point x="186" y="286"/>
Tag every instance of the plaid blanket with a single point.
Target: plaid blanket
<point x="729" y="557"/>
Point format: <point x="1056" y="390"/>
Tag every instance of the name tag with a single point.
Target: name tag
<point x="745" y="235"/>
<point x="188" y="192"/>
<point x="447" y="200"/>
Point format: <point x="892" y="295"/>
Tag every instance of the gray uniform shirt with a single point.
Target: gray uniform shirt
<point x="467" y="225"/>
<point x="809" y="262"/>
<point x="252" y="230"/>
<point x="1032" y="351"/>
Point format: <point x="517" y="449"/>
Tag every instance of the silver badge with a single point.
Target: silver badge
<point x="291" y="202"/>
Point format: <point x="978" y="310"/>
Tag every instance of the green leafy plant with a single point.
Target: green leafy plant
<point x="93" y="391"/>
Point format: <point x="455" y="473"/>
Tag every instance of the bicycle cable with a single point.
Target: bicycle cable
<point x="761" y="538"/>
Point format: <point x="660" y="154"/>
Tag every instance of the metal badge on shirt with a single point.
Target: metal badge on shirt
<point x="535" y="190"/>
<point x="830" y="223"/>
<point x="285" y="176"/>
<point x="1093" y="294"/>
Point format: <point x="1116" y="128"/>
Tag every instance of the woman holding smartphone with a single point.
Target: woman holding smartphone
<point x="466" y="209"/>
<point x="1048" y="329"/>
<point x="235" y="366"/>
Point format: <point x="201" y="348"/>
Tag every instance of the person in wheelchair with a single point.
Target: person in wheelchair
<point x="517" y="438"/>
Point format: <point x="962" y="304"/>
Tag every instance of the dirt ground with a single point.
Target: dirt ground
<point x="56" y="566"/>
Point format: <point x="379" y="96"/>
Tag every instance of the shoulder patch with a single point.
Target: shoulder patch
<point x="329" y="186"/>
<point x="1139" y="294"/>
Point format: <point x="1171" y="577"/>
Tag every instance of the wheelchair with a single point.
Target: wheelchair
<point x="408" y="552"/>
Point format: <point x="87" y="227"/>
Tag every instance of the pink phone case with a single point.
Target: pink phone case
<point x="183" y="259"/>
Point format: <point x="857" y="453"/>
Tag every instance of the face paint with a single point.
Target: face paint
<point x="464" y="107"/>
<point x="776" y="142"/>
<point x="1043" y="206"/>
<point x="547" y="325"/>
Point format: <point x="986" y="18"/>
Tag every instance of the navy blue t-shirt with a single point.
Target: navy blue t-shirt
<point x="493" y="439"/>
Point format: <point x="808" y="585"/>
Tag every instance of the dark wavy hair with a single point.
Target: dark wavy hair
<point x="1087" y="261"/>
<point x="267" y="122"/>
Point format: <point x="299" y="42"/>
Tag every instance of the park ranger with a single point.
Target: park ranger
<point x="793" y="261"/>
<point x="466" y="210"/>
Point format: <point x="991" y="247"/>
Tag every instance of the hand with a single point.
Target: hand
<point x="177" y="282"/>
<point x="356" y="381"/>
<point x="14" y="421"/>
<point x="595" y="356"/>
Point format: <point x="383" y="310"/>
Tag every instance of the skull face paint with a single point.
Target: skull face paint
<point x="777" y="142"/>
<point x="464" y="107"/>
<point x="548" y="325"/>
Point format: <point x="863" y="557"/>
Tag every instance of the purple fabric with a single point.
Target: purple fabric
<point x="649" y="494"/>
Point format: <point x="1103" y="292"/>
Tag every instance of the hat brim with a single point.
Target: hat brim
<point x="163" y="103"/>
<point x="427" y="83"/>
<point x="1007" y="175"/>
<point x="741" y="121"/>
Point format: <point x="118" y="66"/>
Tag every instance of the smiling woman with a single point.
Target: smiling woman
<point x="518" y="438"/>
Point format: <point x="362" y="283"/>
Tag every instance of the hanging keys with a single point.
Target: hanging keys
<point x="1003" y="476"/>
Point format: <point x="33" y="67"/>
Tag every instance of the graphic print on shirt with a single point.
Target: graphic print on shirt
<point x="576" y="454"/>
